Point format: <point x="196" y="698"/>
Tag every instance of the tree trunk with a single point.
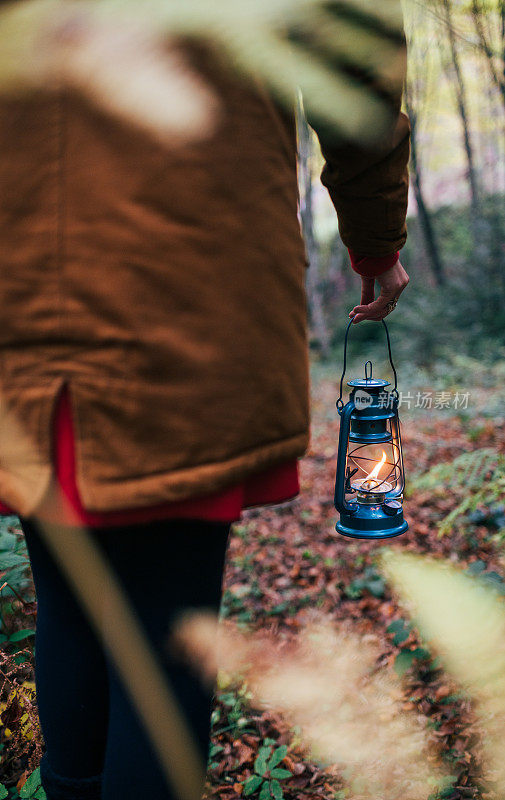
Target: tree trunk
<point x="336" y="269"/>
<point x="497" y="76"/>
<point x="425" y="220"/>
<point x="314" y="296"/>
<point x="502" y="18"/>
<point x="463" y="110"/>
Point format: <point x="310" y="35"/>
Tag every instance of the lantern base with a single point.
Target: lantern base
<point x="376" y="525"/>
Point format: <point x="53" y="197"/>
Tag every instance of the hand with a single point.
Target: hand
<point x="392" y="283"/>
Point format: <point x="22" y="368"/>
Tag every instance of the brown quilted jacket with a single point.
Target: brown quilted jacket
<point x="167" y="289"/>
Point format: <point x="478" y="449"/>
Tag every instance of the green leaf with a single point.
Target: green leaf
<point x="265" y="793"/>
<point x="7" y="540"/>
<point x="401" y="637"/>
<point x="277" y="756"/>
<point x="12" y="560"/>
<point x="397" y="626"/>
<point x="228" y="699"/>
<point x="16" y="637"/>
<point x="421" y="653"/>
<point x="31" y="785"/>
<point x="280" y="773"/>
<point x="276" y="790"/>
<point x="260" y="764"/>
<point x="493" y="576"/>
<point x="377" y="587"/>
<point x="446" y="785"/>
<point x="8" y="521"/>
<point x="355" y="589"/>
<point x="215" y="748"/>
<point x="18" y="579"/>
<point x="403" y="662"/>
<point x="3" y="792"/>
<point x="40" y="794"/>
<point x="251" y="784"/>
<point x="476" y="567"/>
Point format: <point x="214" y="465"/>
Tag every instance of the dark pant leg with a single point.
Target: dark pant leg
<point x="71" y="681"/>
<point x="164" y="567"/>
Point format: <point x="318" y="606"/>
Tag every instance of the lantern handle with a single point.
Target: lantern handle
<point x="340" y="502"/>
<point x="394" y="392"/>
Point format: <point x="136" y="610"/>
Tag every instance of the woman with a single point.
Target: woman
<point x="153" y="348"/>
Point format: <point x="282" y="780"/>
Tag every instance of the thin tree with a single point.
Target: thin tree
<point x="502" y="31"/>
<point x="425" y="219"/>
<point x="495" y="58"/>
<point x="454" y="68"/>
<point x="418" y="89"/>
<point x="314" y="294"/>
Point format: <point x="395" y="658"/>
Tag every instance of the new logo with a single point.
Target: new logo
<point x="362" y="399"/>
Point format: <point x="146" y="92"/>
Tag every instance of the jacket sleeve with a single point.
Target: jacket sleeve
<point x="369" y="189"/>
<point x="368" y="185"/>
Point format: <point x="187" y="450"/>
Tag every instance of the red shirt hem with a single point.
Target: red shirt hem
<point x="63" y="504"/>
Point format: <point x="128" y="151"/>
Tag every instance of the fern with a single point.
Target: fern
<point x="467" y="470"/>
<point x="480" y="473"/>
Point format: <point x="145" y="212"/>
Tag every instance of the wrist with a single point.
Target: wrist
<point x="372" y="266"/>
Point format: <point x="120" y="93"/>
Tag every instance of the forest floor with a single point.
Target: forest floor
<point x="284" y="561"/>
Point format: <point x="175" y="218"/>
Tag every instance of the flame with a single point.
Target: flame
<point x="374" y="474"/>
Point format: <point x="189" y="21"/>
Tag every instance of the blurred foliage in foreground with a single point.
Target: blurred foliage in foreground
<point x="464" y="620"/>
<point x="345" y="57"/>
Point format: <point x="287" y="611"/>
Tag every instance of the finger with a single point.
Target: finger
<point x="378" y="307"/>
<point x="373" y="311"/>
<point x="370" y="309"/>
<point x="356" y="314"/>
<point x="367" y="291"/>
<point x="359" y="309"/>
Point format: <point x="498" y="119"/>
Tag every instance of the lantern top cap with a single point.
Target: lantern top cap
<point x="368" y="382"/>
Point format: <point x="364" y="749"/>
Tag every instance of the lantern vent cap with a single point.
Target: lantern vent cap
<point x="369" y="383"/>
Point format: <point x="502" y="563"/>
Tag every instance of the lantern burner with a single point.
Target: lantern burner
<point x="371" y="483"/>
<point x="371" y="490"/>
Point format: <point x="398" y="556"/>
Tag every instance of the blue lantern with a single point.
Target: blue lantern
<point x="370" y="479"/>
